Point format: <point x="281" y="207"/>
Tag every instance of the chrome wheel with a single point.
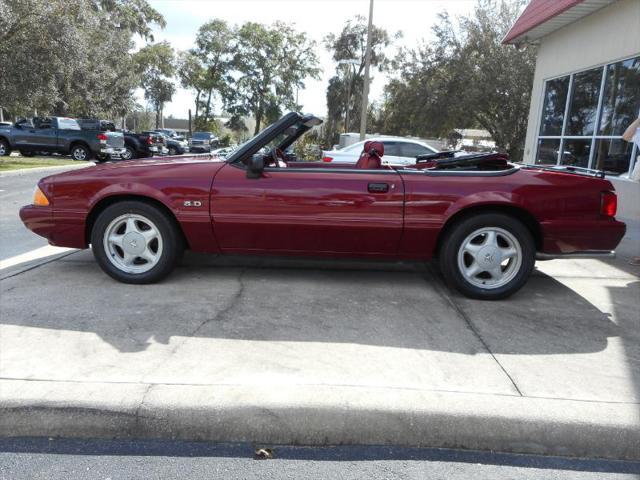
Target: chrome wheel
<point x="79" y="154"/>
<point x="3" y="149"/>
<point x="489" y="257"/>
<point x="133" y="243"/>
<point x="127" y="154"/>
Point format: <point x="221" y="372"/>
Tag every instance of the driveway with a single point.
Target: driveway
<point x="321" y="352"/>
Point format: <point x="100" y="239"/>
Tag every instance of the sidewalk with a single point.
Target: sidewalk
<point x="283" y="351"/>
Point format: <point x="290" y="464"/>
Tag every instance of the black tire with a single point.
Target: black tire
<point x="173" y="151"/>
<point x="518" y="271"/>
<point x="171" y="237"/>
<point x="129" y="153"/>
<point x="26" y="153"/>
<point x="5" y="148"/>
<point x="80" y="153"/>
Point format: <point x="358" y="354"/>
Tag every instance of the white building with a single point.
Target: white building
<point x="586" y="88"/>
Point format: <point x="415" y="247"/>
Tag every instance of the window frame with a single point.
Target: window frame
<point x="594" y="137"/>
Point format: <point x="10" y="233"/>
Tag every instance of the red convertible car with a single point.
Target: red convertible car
<point x="485" y="219"/>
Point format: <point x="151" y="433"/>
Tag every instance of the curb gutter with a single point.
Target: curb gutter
<point x="320" y="415"/>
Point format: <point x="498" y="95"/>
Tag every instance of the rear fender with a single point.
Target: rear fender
<point x="480" y="199"/>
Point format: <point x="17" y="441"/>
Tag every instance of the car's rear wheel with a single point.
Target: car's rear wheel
<point x="129" y="153"/>
<point x="488" y="256"/>
<point x="135" y="242"/>
<point x="173" y="151"/>
<point x="80" y="153"/>
<point x="5" y="149"/>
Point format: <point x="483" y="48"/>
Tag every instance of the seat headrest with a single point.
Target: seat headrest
<point x="371" y="146"/>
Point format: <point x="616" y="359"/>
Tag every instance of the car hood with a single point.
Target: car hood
<point x="131" y="167"/>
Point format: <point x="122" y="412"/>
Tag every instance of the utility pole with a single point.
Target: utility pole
<point x="1" y="115"/>
<point x="367" y="66"/>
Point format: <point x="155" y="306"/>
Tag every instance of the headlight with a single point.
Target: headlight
<point x="39" y="198"/>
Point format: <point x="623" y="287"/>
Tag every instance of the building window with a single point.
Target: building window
<point x="584" y="115"/>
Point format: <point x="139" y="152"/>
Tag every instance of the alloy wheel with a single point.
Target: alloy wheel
<point x="79" y="154"/>
<point x="489" y="257"/>
<point x="133" y="243"/>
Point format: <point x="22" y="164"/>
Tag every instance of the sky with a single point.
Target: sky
<point x="315" y="17"/>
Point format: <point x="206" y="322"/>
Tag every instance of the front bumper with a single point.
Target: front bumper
<point x="38" y="219"/>
<point x="66" y="230"/>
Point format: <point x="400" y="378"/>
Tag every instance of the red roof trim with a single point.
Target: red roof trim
<point x="536" y="13"/>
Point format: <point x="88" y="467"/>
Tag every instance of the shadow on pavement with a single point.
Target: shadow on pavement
<point x="400" y="309"/>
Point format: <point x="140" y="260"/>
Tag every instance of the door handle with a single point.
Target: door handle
<point x="378" y="187"/>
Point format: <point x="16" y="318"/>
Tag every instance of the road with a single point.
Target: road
<point x="36" y="459"/>
<point x="16" y="190"/>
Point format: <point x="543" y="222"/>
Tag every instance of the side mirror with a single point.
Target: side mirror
<point x="18" y="125"/>
<point x="256" y="166"/>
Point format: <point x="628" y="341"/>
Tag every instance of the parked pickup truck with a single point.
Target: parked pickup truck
<point x="137" y="145"/>
<point x="59" y="135"/>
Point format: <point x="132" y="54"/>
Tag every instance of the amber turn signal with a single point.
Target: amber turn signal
<point x="39" y="198"/>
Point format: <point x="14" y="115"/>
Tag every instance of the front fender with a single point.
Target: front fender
<point x="128" y="188"/>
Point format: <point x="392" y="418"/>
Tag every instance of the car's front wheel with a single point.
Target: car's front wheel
<point x="135" y="242"/>
<point x="487" y="256"/>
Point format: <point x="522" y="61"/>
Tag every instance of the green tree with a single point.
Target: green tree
<point x="215" y="49"/>
<point x="156" y="66"/>
<point x="269" y="64"/>
<point x="466" y="78"/>
<point x="191" y="75"/>
<point x="237" y="126"/>
<point x="351" y="44"/>
<point x="69" y="57"/>
<point x="206" y="68"/>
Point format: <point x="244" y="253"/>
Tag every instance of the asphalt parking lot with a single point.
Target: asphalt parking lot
<point x="319" y="352"/>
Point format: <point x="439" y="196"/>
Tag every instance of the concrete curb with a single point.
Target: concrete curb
<point x="52" y="169"/>
<point x="320" y="415"/>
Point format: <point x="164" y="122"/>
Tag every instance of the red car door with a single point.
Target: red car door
<point x="310" y="210"/>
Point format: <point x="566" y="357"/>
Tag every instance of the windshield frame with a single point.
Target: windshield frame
<point x="266" y="136"/>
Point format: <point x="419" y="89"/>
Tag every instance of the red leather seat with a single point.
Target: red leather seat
<point x="370" y="158"/>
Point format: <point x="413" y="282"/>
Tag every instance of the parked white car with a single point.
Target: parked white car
<point x="397" y="151"/>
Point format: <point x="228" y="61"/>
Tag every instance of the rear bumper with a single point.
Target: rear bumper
<point x="113" y="151"/>
<point x="66" y="231"/>
<point x="582" y="237"/>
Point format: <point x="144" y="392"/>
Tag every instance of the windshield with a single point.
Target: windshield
<point x="201" y="135"/>
<point x="356" y="146"/>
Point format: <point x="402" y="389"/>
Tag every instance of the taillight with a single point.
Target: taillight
<point x="150" y="140"/>
<point x="327" y="159"/>
<point x="102" y="137"/>
<point x="608" y="204"/>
